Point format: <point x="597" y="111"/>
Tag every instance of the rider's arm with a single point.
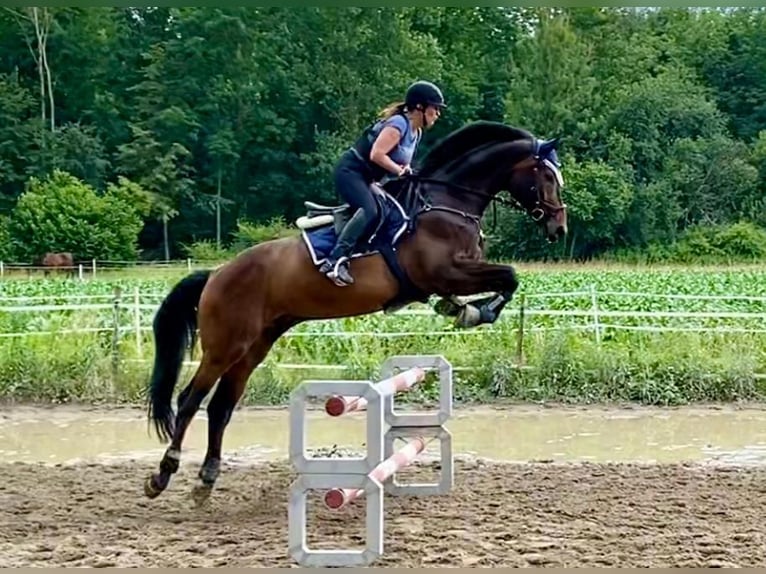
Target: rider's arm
<point x="384" y="143"/>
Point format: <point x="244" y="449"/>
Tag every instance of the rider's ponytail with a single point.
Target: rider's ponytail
<point x="391" y="110"/>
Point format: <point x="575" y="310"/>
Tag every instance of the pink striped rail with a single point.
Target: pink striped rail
<point x="338" y="405"/>
<point x="338" y="497"/>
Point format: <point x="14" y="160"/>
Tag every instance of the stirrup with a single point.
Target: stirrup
<point x="334" y="273"/>
<point x="326" y="267"/>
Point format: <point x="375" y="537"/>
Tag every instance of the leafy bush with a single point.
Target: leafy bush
<point x="61" y="213"/>
<point x="738" y="242"/>
<point x="742" y="240"/>
<point x="249" y="234"/>
<point x="206" y="250"/>
<point x="246" y="235"/>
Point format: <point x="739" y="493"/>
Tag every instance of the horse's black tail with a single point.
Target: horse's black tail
<point x="175" y="328"/>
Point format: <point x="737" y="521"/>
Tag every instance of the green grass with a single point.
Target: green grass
<point x="565" y="364"/>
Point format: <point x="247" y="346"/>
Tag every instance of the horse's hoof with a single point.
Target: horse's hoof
<point x="150" y="488"/>
<point x="447" y="307"/>
<point x="201" y="494"/>
<point x="469" y="316"/>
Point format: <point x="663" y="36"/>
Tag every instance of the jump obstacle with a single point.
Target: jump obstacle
<point x="349" y="478"/>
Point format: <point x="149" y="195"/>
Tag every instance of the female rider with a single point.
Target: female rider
<point x="386" y="147"/>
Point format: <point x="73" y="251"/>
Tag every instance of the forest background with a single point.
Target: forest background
<point x="166" y="132"/>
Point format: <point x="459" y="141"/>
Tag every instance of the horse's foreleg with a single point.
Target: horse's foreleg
<point x="469" y="277"/>
<point x="449" y="306"/>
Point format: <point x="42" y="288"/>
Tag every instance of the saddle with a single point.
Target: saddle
<point x="323" y="223"/>
<point x="318" y="215"/>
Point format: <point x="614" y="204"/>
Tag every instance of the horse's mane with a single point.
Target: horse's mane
<point x="467" y="138"/>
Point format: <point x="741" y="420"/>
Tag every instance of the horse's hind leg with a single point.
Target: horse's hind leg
<point x="189" y="402"/>
<point x="220" y="408"/>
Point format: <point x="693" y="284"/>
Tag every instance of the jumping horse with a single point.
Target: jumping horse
<point x="241" y="308"/>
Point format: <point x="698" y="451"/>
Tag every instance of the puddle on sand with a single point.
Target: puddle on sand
<point x="736" y="436"/>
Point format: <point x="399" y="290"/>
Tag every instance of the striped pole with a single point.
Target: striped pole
<point x="336" y="405"/>
<point x="338" y="497"/>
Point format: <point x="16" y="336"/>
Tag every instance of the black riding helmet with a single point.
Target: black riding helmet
<point x="424" y="93"/>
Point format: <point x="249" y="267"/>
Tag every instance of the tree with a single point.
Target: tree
<point x="553" y="90"/>
<point x="18" y="131"/>
<point x="39" y="20"/>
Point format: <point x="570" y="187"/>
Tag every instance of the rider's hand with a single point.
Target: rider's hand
<point x="405" y="169"/>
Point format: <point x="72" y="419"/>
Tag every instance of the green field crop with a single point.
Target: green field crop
<point x="563" y="358"/>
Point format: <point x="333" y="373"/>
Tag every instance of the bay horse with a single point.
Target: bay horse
<point x="244" y="306"/>
<point x="63" y="260"/>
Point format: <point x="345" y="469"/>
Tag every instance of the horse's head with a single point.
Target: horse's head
<point x="536" y="184"/>
<point x="478" y="161"/>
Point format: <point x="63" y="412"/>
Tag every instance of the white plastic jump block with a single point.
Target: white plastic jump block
<point x="446" y="473"/>
<point x="348" y="479"/>
<point x="419" y="418"/>
<point x="297" y="544"/>
<point x="328" y="465"/>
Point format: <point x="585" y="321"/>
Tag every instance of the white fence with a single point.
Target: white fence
<point x="92" y="268"/>
<point x="595" y="316"/>
<point x="591" y="312"/>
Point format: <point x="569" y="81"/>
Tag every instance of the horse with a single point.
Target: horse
<point x="63" y="260"/>
<point x="239" y="310"/>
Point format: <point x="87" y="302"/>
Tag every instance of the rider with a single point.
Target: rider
<point x="386" y="147"/>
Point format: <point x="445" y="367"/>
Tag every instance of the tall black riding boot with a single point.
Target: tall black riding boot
<point x="338" y="262"/>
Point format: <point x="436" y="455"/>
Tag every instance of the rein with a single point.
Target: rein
<point x="536" y="213"/>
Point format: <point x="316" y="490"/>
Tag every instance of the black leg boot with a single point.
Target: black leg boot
<point x="336" y="269"/>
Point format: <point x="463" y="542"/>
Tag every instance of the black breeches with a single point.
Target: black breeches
<point x="353" y="186"/>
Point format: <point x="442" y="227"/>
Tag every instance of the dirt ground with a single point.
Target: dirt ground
<point x="497" y="515"/>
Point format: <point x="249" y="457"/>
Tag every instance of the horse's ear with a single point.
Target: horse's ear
<point x="548" y="145"/>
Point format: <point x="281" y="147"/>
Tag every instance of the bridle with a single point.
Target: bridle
<point x="543" y="207"/>
<point x="536" y="212"/>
